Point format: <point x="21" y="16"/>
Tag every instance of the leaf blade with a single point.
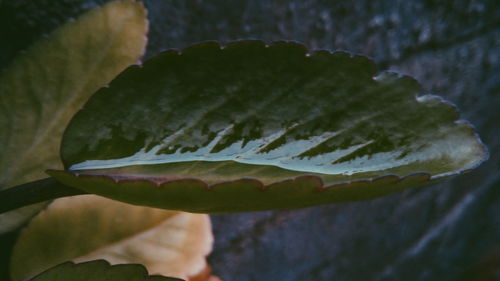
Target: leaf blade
<point x="46" y="85"/>
<point x="270" y="113"/>
<point x="63" y="70"/>
<point x="98" y="270"/>
<point x="165" y="242"/>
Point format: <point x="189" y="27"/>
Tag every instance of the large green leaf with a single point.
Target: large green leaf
<point x="90" y="227"/>
<point x="249" y="126"/>
<point x="98" y="270"/>
<point x="44" y="87"/>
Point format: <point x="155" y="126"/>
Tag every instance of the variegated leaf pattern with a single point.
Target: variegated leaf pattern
<point x="251" y="114"/>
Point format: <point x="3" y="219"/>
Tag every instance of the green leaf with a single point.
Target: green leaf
<point x="98" y="270"/>
<point x="251" y="127"/>
<point x="89" y="227"/>
<point x="44" y="87"/>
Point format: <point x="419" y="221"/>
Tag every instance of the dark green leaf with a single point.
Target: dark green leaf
<point x="250" y="127"/>
<point x="98" y="270"/>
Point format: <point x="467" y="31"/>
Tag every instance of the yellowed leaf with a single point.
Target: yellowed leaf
<point x="45" y="86"/>
<point x="89" y="227"/>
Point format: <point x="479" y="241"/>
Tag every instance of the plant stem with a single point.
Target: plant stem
<point x="34" y="192"/>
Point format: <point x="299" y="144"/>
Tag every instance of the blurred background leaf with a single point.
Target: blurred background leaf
<point x="89" y="227"/>
<point x="46" y="84"/>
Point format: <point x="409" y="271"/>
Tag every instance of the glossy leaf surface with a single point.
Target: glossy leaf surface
<point x="98" y="270"/>
<point x="89" y="227"/>
<point x="44" y="87"/>
<point x="251" y="127"/>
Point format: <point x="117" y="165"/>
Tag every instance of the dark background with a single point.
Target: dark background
<point x="449" y="231"/>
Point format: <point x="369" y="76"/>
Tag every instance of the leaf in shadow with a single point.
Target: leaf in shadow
<point x="250" y="126"/>
<point x="44" y="87"/>
<point x="90" y="227"/>
<point x="98" y="270"/>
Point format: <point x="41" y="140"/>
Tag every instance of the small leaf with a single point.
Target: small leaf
<point x="89" y="227"/>
<point x="46" y="85"/>
<point x="98" y="270"/>
<point x="251" y="127"/>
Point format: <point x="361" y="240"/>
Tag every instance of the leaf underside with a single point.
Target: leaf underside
<point x="44" y="87"/>
<point x="249" y="127"/>
<point x="98" y="270"/>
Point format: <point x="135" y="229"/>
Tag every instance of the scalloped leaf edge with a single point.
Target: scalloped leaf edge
<point x="315" y="183"/>
<point x="103" y="265"/>
<point x="305" y="188"/>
